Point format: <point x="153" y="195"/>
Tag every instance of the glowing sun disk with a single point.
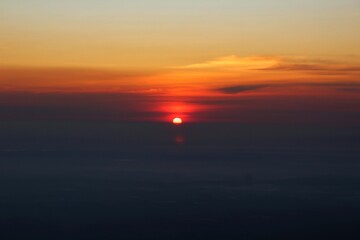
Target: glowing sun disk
<point x="177" y="121"/>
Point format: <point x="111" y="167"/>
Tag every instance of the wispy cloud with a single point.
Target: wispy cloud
<point x="235" y="62"/>
<point x="279" y="63"/>
<point x="338" y="86"/>
<point x="306" y="65"/>
<point x="239" y="89"/>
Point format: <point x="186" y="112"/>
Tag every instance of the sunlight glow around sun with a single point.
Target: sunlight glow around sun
<point x="177" y="121"/>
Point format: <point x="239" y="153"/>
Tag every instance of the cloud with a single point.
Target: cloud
<point x="338" y="86"/>
<point x="279" y="63"/>
<point x="240" y="89"/>
<point x="331" y="67"/>
<point x="234" y="62"/>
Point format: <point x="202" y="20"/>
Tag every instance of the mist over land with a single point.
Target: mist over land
<point x="91" y="180"/>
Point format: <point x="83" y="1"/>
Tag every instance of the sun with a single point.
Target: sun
<point x="177" y="121"/>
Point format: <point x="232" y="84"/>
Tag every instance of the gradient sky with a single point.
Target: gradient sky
<point x="143" y="33"/>
<point x="203" y="60"/>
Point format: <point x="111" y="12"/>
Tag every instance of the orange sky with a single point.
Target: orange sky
<point x="206" y="61"/>
<point x="229" y="88"/>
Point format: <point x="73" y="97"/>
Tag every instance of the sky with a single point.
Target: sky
<point x="204" y="61"/>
